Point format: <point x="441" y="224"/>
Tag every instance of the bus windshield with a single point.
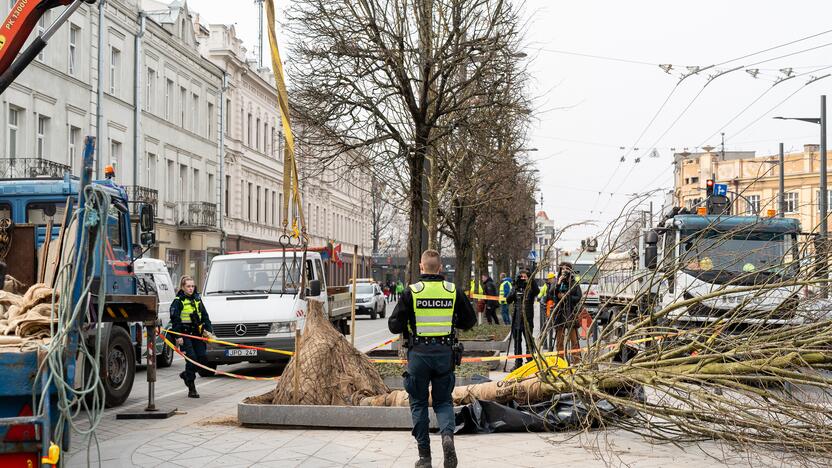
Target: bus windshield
<point x="585" y="272"/>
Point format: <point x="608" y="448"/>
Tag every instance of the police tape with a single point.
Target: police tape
<point x="390" y="341"/>
<point x="215" y="371"/>
<point x="483" y="297"/>
<point x="228" y="343"/>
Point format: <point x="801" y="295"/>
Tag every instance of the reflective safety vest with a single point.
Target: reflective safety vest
<point x="503" y="291"/>
<point x="543" y="290"/>
<point x="433" y="305"/>
<point x="478" y="287"/>
<point x="190" y="307"/>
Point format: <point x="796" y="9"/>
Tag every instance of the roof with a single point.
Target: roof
<point x="744" y="223"/>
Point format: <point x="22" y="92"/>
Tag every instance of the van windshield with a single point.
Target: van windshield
<point x="254" y="276"/>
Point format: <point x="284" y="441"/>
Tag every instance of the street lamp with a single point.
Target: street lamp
<point x="824" y="227"/>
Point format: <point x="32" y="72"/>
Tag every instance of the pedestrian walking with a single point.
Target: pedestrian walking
<point x="522" y="295"/>
<point x="188" y="316"/>
<point x="505" y="288"/>
<point x="567" y="300"/>
<point x="490" y="289"/>
<point x="399" y="289"/>
<point x="427" y="314"/>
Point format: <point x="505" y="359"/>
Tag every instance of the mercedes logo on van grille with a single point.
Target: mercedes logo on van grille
<point x="240" y="329"/>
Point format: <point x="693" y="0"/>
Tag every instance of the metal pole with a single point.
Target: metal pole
<point x="221" y="152"/>
<point x="100" y="92"/>
<point x="354" y="291"/>
<point x="824" y="227"/>
<point x="781" y="199"/>
<point x="137" y="100"/>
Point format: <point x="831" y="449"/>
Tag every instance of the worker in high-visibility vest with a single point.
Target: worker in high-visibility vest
<point x="505" y="288"/>
<point x="427" y="314"/>
<point x="188" y="315"/>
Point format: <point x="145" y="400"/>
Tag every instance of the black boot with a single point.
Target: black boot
<point x="449" y="451"/>
<point x="191" y="389"/>
<point x="424" y="458"/>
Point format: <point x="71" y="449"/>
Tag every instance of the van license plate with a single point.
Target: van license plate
<point x="241" y="352"/>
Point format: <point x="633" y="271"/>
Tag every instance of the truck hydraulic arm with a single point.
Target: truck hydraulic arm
<point x="16" y="30"/>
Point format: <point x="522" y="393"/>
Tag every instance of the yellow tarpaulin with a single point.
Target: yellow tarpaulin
<point x="530" y="368"/>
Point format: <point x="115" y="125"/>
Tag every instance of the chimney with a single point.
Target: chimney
<point x="811" y="148"/>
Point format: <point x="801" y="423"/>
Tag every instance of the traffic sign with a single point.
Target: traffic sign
<point x="721" y="189"/>
<point x="532" y="255"/>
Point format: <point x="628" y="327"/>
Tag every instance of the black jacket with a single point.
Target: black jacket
<point x="464" y="316"/>
<point x="520" y="288"/>
<point x="489" y="288"/>
<point x="176" y="314"/>
<point x="566" y="294"/>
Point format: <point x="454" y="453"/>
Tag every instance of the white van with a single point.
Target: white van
<point x="153" y="278"/>
<point x="255" y="299"/>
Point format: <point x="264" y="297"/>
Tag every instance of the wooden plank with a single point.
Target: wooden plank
<point x="44" y="251"/>
<point x="56" y="262"/>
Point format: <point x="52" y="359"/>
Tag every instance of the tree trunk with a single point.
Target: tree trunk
<point x="414" y="235"/>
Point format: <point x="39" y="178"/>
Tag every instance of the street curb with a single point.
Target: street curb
<point x="353" y="417"/>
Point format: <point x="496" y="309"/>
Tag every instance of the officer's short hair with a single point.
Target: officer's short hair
<point x="431" y="262"/>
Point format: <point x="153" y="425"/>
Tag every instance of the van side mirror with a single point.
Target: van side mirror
<point x="651" y="250"/>
<point x="147" y="219"/>
<point x="314" y="288"/>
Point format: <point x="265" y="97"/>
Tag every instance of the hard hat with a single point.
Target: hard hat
<point x="550" y="276"/>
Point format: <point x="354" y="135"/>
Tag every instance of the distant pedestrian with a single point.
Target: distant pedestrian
<point x="188" y="316"/>
<point x="522" y="295"/>
<point x="490" y="289"/>
<point x="505" y="288"/>
<point x="399" y="289"/>
<point x="567" y="300"/>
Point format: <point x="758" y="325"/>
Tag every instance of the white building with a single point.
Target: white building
<point x="545" y="234"/>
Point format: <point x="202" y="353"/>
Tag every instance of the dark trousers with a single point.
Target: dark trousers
<point x="506" y="314"/>
<point x="194" y="349"/>
<point x="517" y="336"/>
<point x="436" y="371"/>
<point x="491" y="314"/>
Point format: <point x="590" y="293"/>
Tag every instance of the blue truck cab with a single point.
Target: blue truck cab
<point x="35" y="219"/>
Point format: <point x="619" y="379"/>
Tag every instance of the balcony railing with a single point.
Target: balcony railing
<point x="139" y="194"/>
<point x="197" y="216"/>
<point x="28" y="168"/>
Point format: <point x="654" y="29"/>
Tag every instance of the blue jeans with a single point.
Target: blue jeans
<point x="506" y="315"/>
<point x="436" y="370"/>
<point x="194" y="349"/>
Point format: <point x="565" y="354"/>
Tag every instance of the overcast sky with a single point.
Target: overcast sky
<point x="587" y="108"/>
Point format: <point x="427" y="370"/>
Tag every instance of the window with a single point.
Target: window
<point x="74" y="141"/>
<point x="257" y="135"/>
<point x="41" y="28"/>
<point x="183" y="96"/>
<point x="183" y="183"/>
<point x="195" y="196"/>
<point x="242" y="198"/>
<point x="115" y="154"/>
<point x="151" y="170"/>
<point x="150" y="90"/>
<point x="266" y="206"/>
<point x="115" y="69"/>
<point x="74" y="34"/>
<point x="13" y="129"/>
<point x="209" y="132"/>
<point x="227" y="183"/>
<point x="828" y="199"/>
<point x="248" y="138"/>
<point x="171" y="181"/>
<point x="168" y="99"/>
<point x="273" y="143"/>
<point x="694" y="180"/>
<point x="249" y="201"/>
<point x="266" y="137"/>
<point x="40" y="147"/>
<point x="790" y="200"/>
<point x="752" y="204"/>
<point x="273" y="210"/>
<point x="258" y="205"/>
<point x="227" y="116"/>
<point x="211" y="188"/>
<point x="195" y="113"/>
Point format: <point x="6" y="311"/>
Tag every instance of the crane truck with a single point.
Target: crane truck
<point x="99" y="293"/>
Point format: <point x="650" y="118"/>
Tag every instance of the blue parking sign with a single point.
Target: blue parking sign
<point x="721" y="189"/>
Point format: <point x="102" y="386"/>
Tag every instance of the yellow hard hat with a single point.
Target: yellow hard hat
<point x="550" y="276"/>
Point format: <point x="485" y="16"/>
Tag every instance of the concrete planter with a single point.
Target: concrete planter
<point x="352" y="417"/>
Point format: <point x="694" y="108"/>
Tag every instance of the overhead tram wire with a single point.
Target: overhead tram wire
<point x="597" y="57"/>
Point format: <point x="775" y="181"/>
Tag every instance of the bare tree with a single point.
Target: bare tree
<point x="390" y="78"/>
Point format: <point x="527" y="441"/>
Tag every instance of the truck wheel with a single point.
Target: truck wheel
<point x="165" y="358"/>
<point x="206" y="373"/>
<point x="119" y="361"/>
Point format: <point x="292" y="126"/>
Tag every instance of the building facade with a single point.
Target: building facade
<point x="756" y="180"/>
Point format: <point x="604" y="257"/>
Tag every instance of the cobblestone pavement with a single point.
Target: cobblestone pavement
<point x="204" y="434"/>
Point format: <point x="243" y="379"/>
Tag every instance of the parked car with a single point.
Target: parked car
<point x="369" y="300"/>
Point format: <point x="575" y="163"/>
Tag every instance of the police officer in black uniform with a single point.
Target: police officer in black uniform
<point x="427" y="314"/>
<point x="188" y="315"/>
